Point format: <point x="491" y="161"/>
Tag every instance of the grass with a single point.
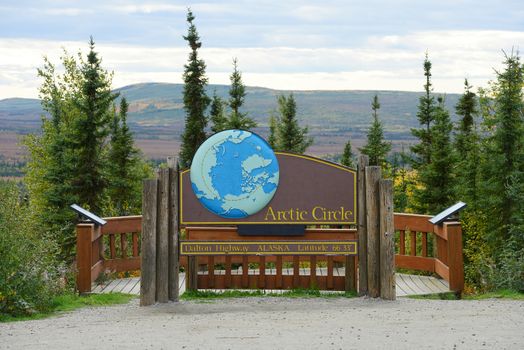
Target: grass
<point x="500" y="294"/>
<point x="70" y="302"/>
<point x="293" y="293"/>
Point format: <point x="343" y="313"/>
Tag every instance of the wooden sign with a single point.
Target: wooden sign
<point x="310" y="191"/>
<point x="194" y="248"/>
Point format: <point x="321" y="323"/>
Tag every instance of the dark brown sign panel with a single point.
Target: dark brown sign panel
<point x="348" y="247"/>
<point x="310" y="191"/>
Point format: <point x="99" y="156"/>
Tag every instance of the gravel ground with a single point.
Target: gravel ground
<point x="279" y="323"/>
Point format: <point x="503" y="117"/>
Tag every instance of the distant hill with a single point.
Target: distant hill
<point x="156" y="113"/>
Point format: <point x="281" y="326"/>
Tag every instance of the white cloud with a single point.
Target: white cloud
<point x="383" y="63"/>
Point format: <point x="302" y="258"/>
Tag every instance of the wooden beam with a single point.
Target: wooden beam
<point x="162" y="237"/>
<point x="373" y="174"/>
<point x="83" y="256"/>
<point x="148" y="247"/>
<point x="455" y="259"/>
<point x="174" y="267"/>
<point x="387" y="241"/>
<point x="363" y="161"/>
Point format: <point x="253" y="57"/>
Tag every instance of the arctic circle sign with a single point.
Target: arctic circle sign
<point x="287" y="189"/>
<point x="234" y="174"/>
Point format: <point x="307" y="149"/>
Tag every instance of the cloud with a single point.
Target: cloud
<point x="387" y="62"/>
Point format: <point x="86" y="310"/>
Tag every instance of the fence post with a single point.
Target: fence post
<point x="455" y="259"/>
<point x="363" y="162"/>
<point x="148" y="246"/>
<point x="174" y="267"/>
<point x="373" y="174"/>
<point x="84" y="253"/>
<point x="387" y="243"/>
<point x="162" y="237"/>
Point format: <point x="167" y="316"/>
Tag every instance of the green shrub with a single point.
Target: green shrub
<point x="29" y="277"/>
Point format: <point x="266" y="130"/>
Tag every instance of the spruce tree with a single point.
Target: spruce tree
<point x="347" y="158"/>
<point x="123" y="168"/>
<point x="289" y="136"/>
<point x="195" y="99"/>
<point x="217" y="114"/>
<point x="437" y="177"/>
<point x="503" y="159"/>
<point x="425" y="115"/>
<point x="90" y="130"/>
<point x="237" y="93"/>
<point x="467" y="148"/>
<point x="376" y="147"/>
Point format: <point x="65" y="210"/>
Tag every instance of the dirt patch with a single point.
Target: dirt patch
<point x="279" y="323"/>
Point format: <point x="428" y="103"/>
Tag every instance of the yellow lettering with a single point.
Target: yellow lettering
<point x="270" y="212"/>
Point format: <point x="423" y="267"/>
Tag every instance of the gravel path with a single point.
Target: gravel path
<point x="279" y="323"/>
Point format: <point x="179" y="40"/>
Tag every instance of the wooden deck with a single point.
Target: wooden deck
<point x="405" y="284"/>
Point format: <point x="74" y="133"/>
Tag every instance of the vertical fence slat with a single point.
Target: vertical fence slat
<point x="148" y="247"/>
<point x="245" y="271"/>
<point x="192" y="274"/>
<point x="174" y="264"/>
<point x="135" y="244"/>
<point x="278" y="265"/>
<point x="313" y="271"/>
<point x="402" y="243"/>
<point x="112" y="246"/>
<point x="373" y="174"/>
<point x="228" y="272"/>
<point x="329" y="272"/>
<point x="362" y="226"/>
<point x="424" y="244"/>
<point x="413" y="243"/>
<point x="350" y="274"/>
<point x="296" y="272"/>
<point x="262" y="272"/>
<point x="211" y="271"/>
<point x="387" y="241"/>
<point x="162" y="271"/>
<point x="123" y="245"/>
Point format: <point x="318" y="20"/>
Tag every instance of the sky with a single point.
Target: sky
<point x="286" y="44"/>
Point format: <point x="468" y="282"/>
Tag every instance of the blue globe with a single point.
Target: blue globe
<point x="234" y="173"/>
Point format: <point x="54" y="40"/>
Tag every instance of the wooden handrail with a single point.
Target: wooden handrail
<point x="446" y="261"/>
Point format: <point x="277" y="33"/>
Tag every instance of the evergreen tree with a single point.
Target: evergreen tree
<point x="124" y="166"/>
<point x="467" y="148"/>
<point x="425" y="115"/>
<point x="195" y="99"/>
<point x="376" y="148"/>
<point x="237" y="93"/>
<point x="217" y="114"/>
<point x="503" y="159"/>
<point x="90" y="130"/>
<point x="348" y="156"/>
<point x="49" y="170"/>
<point x="437" y="177"/>
<point x="289" y="136"/>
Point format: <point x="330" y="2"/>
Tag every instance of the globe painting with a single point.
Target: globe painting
<point x="234" y="174"/>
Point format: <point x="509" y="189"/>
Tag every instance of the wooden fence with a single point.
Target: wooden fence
<point x="420" y="246"/>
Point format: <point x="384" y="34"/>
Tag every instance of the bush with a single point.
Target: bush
<point x="29" y="276"/>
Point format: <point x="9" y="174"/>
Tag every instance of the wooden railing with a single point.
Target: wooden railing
<point x="420" y="246"/>
<point x="432" y="248"/>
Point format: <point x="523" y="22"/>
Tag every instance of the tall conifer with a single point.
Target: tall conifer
<point x="425" y="115"/>
<point x="237" y="93"/>
<point x="217" y="114"/>
<point x="347" y="158"/>
<point x="376" y="148"/>
<point x="290" y="136"/>
<point x="195" y="99"/>
<point x="90" y="130"/>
